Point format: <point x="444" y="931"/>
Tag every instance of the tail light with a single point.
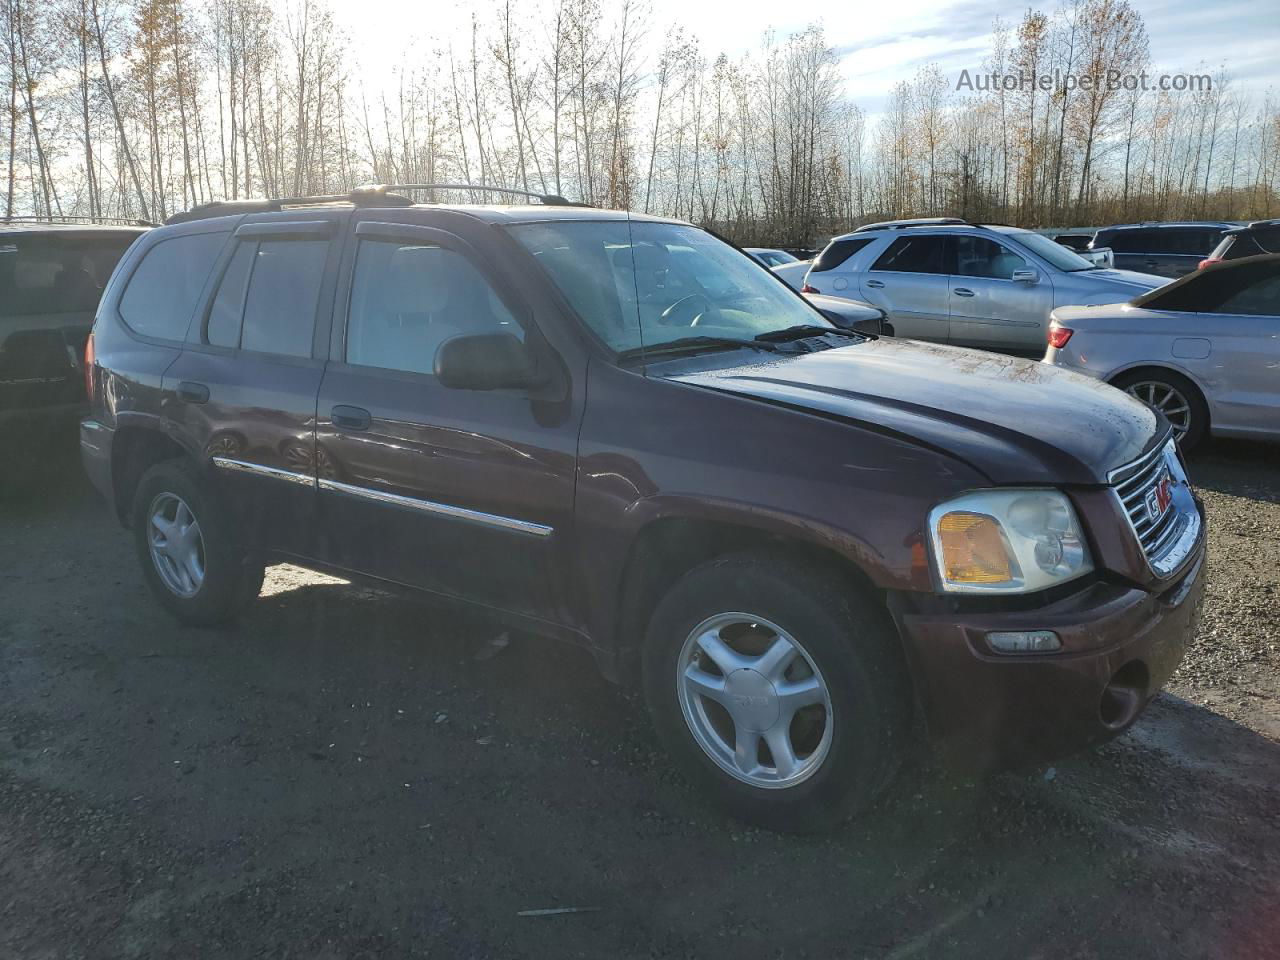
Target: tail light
<point x="89" y="358"/>
<point x="808" y="289"/>
<point x="1058" y="336"/>
<point x="1208" y="262"/>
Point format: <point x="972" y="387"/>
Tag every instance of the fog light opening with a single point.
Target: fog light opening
<point x="1122" y="698"/>
<point x="1024" y="641"/>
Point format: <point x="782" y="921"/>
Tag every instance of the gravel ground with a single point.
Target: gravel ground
<point x="345" y="775"/>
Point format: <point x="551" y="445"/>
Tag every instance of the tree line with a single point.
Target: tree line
<point x="141" y="108"/>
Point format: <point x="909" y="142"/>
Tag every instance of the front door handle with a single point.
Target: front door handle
<point x="190" y="392"/>
<point x="350" y="418"/>
<point x="962" y="292"/>
<point x="875" y="283"/>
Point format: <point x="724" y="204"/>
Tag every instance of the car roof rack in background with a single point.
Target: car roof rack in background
<point x="1262" y="223"/>
<point x="918" y="222"/>
<point x="82" y="221"/>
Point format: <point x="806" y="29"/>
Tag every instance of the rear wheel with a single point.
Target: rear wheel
<point x="188" y="554"/>
<point x="1174" y="396"/>
<point x="777" y="687"/>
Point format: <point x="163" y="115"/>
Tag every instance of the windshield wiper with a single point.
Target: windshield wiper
<point x="691" y="344"/>
<point x="800" y="331"/>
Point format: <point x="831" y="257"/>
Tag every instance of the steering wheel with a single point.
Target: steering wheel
<point x="671" y="315"/>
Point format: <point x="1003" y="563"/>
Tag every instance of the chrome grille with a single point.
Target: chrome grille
<point x="1167" y="538"/>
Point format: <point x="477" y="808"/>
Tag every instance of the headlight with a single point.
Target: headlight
<point x="1007" y="541"/>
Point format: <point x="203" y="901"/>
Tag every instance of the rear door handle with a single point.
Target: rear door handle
<point x="875" y="283"/>
<point x="962" y="292"/>
<point x="350" y="418"/>
<point x="189" y="392"/>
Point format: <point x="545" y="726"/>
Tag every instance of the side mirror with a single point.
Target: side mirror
<point x="484" y="361"/>
<point x="1025" y="276"/>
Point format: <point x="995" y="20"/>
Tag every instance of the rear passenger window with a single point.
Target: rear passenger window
<point x="228" y="304"/>
<point x="837" y="252"/>
<point x="162" y="293"/>
<point x="918" y="254"/>
<point x="280" y="303"/>
<point x="407" y="299"/>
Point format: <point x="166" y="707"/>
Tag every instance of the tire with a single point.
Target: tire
<point x="230" y="579"/>
<point x="1174" y="391"/>
<point x="843" y="640"/>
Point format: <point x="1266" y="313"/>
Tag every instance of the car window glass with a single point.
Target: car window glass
<point x="1208" y="291"/>
<point x="408" y="298"/>
<point x="980" y="257"/>
<point x="228" y="304"/>
<point x="162" y="293"/>
<point x="837" y="252"/>
<point x="1260" y="297"/>
<point x="914" y="254"/>
<point x="1130" y="241"/>
<point x="51" y="274"/>
<point x="280" y="306"/>
<point x="1268" y="239"/>
<point x="639" y="284"/>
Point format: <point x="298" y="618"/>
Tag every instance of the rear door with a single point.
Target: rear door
<point x="909" y="282"/>
<point x="465" y="493"/>
<point x="243" y="392"/>
<point x="988" y="307"/>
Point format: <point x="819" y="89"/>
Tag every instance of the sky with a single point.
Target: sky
<point x="879" y="43"/>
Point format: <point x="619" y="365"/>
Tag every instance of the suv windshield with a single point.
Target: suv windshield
<point x="1052" y="251"/>
<point x="643" y="284"/>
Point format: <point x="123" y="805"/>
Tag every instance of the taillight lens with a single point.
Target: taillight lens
<point x="88" y="368"/>
<point x="1058" y="336"/>
<point x="1208" y="262"/>
<point x="808" y="289"/>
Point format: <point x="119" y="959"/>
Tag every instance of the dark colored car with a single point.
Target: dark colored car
<point x="1079" y="242"/>
<point x="805" y="545"/>
<point x="1166" y="249"/>
<point x="51" y="276"/>
<point x="1254" y="240"/>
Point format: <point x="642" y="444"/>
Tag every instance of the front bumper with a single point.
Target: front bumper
<point x="985" y="710"/>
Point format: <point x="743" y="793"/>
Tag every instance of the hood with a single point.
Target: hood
<point x="1127" y="280"/>
<point x="1017" y="421"/>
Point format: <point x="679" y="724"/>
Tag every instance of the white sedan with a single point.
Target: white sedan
<point x="1203" y="350"/>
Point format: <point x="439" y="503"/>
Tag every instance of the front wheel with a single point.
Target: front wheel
<point x="185" y="544"/>
<point x="777" y="687"/>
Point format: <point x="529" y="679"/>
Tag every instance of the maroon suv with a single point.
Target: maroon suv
<point x="807" y="545"/>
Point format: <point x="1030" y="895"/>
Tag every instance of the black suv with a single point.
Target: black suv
<point x="51" y="277"/>
<point x="1165" y="249"/>
<point x="1254" y="240"/>
<point x="805" y="544"/>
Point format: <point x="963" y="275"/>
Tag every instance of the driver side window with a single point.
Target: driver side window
<point x="408" y="298"/>
<point x="981" y="257"/>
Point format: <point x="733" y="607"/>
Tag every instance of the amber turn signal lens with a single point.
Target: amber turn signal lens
<point x="973" y="549"/>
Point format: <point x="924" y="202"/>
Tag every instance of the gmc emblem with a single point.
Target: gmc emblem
<point x="1158" y="499"/>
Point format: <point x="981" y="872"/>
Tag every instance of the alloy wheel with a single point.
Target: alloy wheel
<point x="177" y="546"/>
<point x="754" y="700"/>
<point x="1167" y="399"/>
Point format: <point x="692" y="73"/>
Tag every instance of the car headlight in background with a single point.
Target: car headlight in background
<point x="1007" y="541"/>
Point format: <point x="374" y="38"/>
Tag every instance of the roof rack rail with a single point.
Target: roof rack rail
<point x="918" y="222"/>
<point x="87" y="220"/>
<point x="360" y="197"/>
<point x="549" y="199"/>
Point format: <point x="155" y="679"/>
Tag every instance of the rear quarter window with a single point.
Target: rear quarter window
<point x="837" y="252"/>
<point x="162" y="292"/>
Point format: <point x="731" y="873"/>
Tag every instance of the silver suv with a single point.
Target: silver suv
<point x="973" y="285"/>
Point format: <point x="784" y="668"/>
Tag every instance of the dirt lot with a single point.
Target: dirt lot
<point x="342" y="776"/>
